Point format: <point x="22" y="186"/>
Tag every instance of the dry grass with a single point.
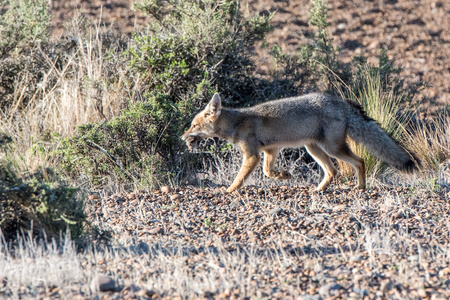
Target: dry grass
<point x="77" y="92"/>
<point x="430" y="140"/>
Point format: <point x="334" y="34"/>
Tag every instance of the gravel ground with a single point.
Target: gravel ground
<point x="285" y="242"/>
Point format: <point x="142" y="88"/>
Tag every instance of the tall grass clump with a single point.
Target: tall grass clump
<point x="430" y="140"/>
<point x="374" y="91"/>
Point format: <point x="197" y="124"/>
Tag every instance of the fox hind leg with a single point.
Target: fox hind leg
<point x="344" y="153"/>
<point x="325" y="163"/>
<point x="270" y="155"/>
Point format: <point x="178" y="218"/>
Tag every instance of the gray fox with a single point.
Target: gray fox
<point x="317" y="121"/>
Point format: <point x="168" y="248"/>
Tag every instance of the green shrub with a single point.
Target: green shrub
<point x="24" y="24"/>
<point x="194" y="41"/>
<point x="38" y="203"/>
<point x="128" y="149"/>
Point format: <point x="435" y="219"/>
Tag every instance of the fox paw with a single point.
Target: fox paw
<point x="231" y="189"/>
<point x="280" y="175"/>
<point x="283" y="175"/>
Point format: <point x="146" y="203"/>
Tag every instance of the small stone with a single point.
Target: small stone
<point x="422" y="293"/>
<point x="275" y="211"/>
<point x="101" y="261"/>
<point x="94" y="197"/>
<point x="143" y="247"/>
<point x="325" y="289"/>
<point x="235" y="204"/>
<point x="174" y="197"/>
<point x="166" y="189"/>
<point x="156" y="230"/>
<point x="444" y="272"/>
<point x="102" y="283"/>
<point x="399" y="215"/>
<point x="361" y="292"/>
<point x="356" y="258"/>
<point x="145" y="293"/>
<point x="339" y="207"/>
<point x="413" y="258"/>
<point x="311" y="297"/>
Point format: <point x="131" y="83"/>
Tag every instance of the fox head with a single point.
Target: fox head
<point x="203" y="125"/>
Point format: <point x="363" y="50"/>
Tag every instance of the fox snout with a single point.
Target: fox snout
<point x="190" y="139"/>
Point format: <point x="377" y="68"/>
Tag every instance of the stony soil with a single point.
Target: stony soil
<point x="416" y="33"/>
<point x="387" y="242"/>
<point x="286" y="242"/>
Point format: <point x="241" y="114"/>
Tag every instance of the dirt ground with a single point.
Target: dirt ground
<point x="416" y="33"/>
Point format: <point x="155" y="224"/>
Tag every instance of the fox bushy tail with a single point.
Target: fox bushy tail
<point x="363" y="129"/>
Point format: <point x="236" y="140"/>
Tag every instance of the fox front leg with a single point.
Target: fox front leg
<point x="248" y="165"/>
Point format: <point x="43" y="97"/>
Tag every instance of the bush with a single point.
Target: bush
<point x="124" y="150"/>
<point x="38" y="203"/>
<point x="25" y="24"/>
<point x="191" y="50"/>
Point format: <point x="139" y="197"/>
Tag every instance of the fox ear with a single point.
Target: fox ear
<point x="215" y="105"/>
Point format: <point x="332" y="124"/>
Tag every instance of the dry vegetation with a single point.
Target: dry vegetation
<point x="191" y="240"/>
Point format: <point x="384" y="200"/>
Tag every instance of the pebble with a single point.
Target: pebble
<point x="275" y="211"/>
<point x="102" y="283"/>
<point x="166" y="189"/>
<point x="326" y="289"/>
<point x="156" y="230"/>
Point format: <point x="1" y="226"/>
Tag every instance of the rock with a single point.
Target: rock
<point x="102" y="283"/>
<point x="156" y="230"/>
<point x="340" y="207"/>
<point x="142" y="248"/>
<point x="326" y="289"/>
<point x="356" y="258"/>
<point x="275" y="211"/>
<point x="145" y="293"/>
<point x="310" y="297"/>
<point x="174" y="197"/>
<point x="235" y="204"/>
<point x="361" y="292"/>
<point x="94" y="196"/>
<point x="166" y="189"/>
